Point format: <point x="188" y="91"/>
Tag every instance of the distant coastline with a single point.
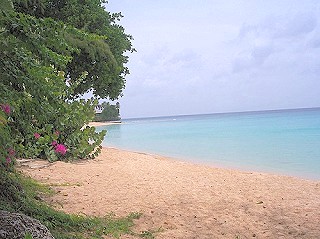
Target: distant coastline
<point x="96" y="123"/>
<point x="228" y="113"/>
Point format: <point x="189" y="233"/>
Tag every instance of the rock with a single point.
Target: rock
<point x="15" y="226"/>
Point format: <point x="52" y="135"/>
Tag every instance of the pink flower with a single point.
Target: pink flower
<point x="36" y="135"/>
<point x="11" y="152"/>
<point x="61" y="149"/>
<point x="6" y="108"/>
<point x="57" y="133"/>
<point x="8" y="160"/>
<point x="54" y="143"/>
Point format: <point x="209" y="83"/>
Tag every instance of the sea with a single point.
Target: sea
<point x="285" y="142"/>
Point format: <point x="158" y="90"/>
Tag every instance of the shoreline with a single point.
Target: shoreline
<point x="186" y="200"/>
<point x="218" y="165"/>
<point x="96" y="124"/>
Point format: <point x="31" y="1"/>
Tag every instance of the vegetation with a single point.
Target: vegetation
<point x="99" y="43"/>
<point x="21" y="194"/>
<point x="109" y="112"/>
<point x="52" y="52"/>
<point x="33" y="85"/>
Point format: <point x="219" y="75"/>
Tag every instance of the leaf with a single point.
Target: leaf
<point x="28" y="235"/>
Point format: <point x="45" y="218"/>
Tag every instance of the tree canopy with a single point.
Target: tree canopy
<point x="98" y="64"/>
<point x="52" y="52"/>
<point x="109" y="112"/>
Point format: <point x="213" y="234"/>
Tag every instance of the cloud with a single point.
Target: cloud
<point x="254" y="58"/>
<point x="202" y="57"/>
<point x="298" y="25"/>
<point x="314" y="40"/>
<point x="164" y="65"/>
<point x="281" y="26"/>
<point x="260" y="53"/>
<point x="274" y="37"/>
<point x="315" y="43"/>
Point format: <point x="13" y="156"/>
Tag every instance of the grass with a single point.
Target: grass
<point x="24" y="195"/>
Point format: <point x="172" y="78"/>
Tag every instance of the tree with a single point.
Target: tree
<point x="99" y="62"/>
<point x="109" y="112"/>
<point x="45" y="65"/>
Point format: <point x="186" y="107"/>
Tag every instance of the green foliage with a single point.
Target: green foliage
<point x="35" y="54"/>
<point x="28" y="236"/>
<point x="51" y="53"/>
<point x="21" y="194"/>
<point x="7" y="153"/>
<point x="100" y="57"/>
<point x="109" y="112"/>
<point x="6" y="5"/>
<point x="106" y="71"/>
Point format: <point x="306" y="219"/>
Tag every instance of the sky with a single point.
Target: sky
<point x="210" y="56"/>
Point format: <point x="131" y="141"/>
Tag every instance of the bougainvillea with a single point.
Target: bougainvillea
<point x="36" y="135"/>
<point x="60" y="149"/>
<point x="6" y="108"/>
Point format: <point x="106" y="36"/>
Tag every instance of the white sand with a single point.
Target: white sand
<point x="95" y="124"/>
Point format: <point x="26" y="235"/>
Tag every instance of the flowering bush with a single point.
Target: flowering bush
<point x="7" y="153"/>
<point x="38" y="106"/>
<point x="6" y="108"/>
<point x="10" y="156"/>
<point x="60" y="149"/>
<point x="47" y="146"/>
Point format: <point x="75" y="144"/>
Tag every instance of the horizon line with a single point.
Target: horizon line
<point x="228" y="112"/>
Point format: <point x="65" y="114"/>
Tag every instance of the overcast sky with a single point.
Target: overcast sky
<point x="207" y="56"/>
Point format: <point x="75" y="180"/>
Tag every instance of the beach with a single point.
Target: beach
<point x="96" y="124"/>
<point x="184" y="200"/>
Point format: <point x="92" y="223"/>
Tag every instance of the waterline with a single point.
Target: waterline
<point x="286" y="142"/>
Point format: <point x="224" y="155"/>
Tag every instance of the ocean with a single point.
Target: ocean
<point x="282" y="141"/>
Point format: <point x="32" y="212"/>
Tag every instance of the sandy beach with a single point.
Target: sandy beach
<point x="95" y="124"/>
<point x="185" y="200"/>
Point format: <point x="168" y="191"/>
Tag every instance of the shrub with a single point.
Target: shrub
<point x="34" y="54"/>
<point x="7" y="153"/>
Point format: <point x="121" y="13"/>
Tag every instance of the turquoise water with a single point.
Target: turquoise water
<point x="285" y="142"/>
